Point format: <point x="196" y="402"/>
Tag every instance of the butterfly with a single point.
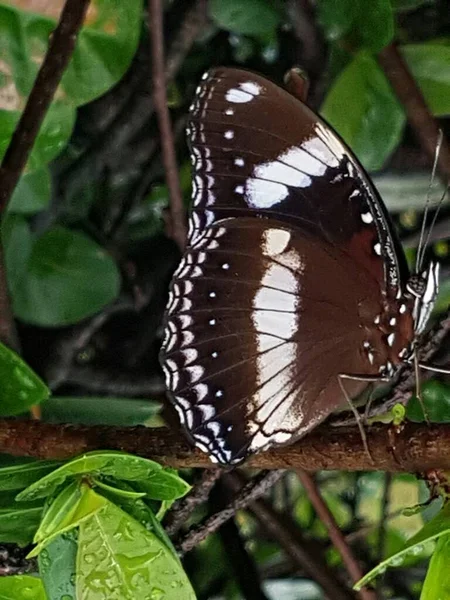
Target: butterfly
<point x="293" y="292"/>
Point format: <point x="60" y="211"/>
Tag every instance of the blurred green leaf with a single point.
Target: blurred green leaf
<point x="18" y="525"/>
<point x="437" y="581"/>
<point x="253" y="17"/>
<point x="21" y="388"/>
<point x="369" y="24"/>
<point x="53" y="135"/>
<point x="117" y="554"/>
<point x="336" y="17"/>
<point x="374" y="24"/>
<point x="105" y="47"/>
<point x="21" y="587"/>
<point x="437" y="527"/>
<point x="18" y="477"/>
<point x="68" y="278"/>
<point x="17" y="243"/>
<point x="436" y="399"/>
<point x="364" y="111"/>
<point x="81" y="504"/>
<point x="32" y="193"/>
<point x="93" y="410"/>
<point x="57" y="567"/>
<point x="109" y="463"/>
<point x="430" y="66"/>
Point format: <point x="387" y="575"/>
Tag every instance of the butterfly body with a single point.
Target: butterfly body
<point x="292" y="276"/>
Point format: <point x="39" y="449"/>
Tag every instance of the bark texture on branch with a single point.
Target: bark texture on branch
<point x="417" y="447"/>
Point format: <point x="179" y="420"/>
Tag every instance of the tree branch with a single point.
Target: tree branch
<point x="418" y="447"/>
<point x="177" y="212"/>
<point x="336" y="536"/>
<point x="60" y="49"/>
<point x="417" y="112"/>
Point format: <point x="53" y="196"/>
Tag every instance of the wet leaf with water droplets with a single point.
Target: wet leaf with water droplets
<point x="109" y="463"/>
<point x="71" y="507"/>
<point x="23" y="587"/>
<point x="437" y="582"/>
<point x="417" y="545"/>
<point x="18" y="477"/>
<point x="21" y="388"/>
<point x="56" y="561"/>
<point x="120" y="560"/>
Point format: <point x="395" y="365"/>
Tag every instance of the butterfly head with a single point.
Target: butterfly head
<point x="423" y="288"/>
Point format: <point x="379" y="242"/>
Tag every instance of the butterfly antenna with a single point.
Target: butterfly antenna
<point x="421" y="246"/>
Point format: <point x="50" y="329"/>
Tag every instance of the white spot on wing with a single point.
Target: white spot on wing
<point x="367" y="218"/>
<point x="264" y="194"/>
<point x="275" y="241"/>
<point x="238" y="96"/>
<point x="251" y="87"/>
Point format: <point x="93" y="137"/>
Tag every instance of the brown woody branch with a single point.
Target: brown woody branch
<point x="177" y="212"/>
<point x="417" y="447"/>
<point x="60" y="49"/>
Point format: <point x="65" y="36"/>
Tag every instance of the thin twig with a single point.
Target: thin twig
<point x="241" y="561"/>
<point x="418" y="114"/>
<point x="305" y="555"/>
<point x="166" y="134"/>
<point x="336" y="536"/>
<point x="253" y="490"/>
<point x="182" y="510"/>
<point x="60" y="49"/>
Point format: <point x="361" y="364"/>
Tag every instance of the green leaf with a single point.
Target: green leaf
<point x="436" y="399"/>
<point x="116" y="491"/>
<point x="21" y="587"/>
<point x="92" y="410"/>
<point x="430" y="66"/>
<point x="57" y="567"/>
<point x="60" y="509"/>
<point x="18" y="477"/>
<point x="437" y="582"/>
<point x="105" y="47"/>
<point x="163" y="485"/>
<point x="117" y="554"/>
<point x="253" y="17"/>
<point x="363" y="109"/>
<point x="336" y="17"/>
<point x="21" y="388"/>
<point x="87" y="503"/>
<point x="19" y="526"/>
<point x="369" y="24"/>
<point x="17" y="243"/>
<point x="141" y="512"/>
<point x="374" y="24"/>
<point x="32" y="193"/>
<point x="53" y="135"/>
<point x="109" y="463"/>
<point x="68" y="278"/>
<point x="437" y="527"/>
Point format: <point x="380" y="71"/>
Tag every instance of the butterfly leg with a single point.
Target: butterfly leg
<point x="418" y="390"/>
<point x="359" y="421"/>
